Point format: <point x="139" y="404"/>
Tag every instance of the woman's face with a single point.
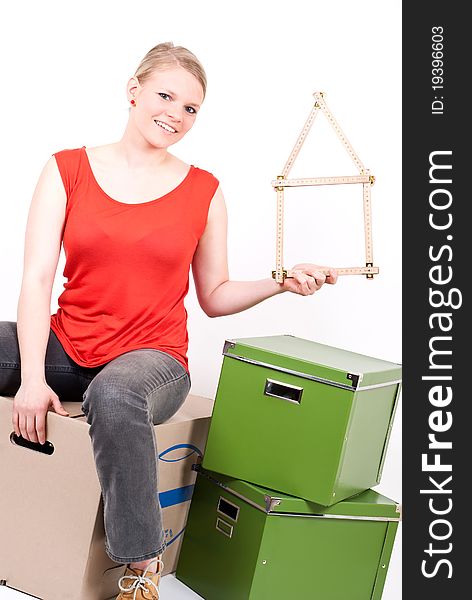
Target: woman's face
<point x="166" y="105"/>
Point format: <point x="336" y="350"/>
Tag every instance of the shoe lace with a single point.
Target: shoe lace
<point x="141" y="581"/>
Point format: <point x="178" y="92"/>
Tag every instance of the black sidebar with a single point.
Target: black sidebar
<point x="437" y="237"/>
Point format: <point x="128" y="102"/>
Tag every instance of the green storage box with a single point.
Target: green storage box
<point x="245" y="542"/>
<point x="304" y="418"/>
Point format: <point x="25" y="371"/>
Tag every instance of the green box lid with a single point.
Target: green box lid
<point x="367" y="505"/>
<point x="313" y="360"/>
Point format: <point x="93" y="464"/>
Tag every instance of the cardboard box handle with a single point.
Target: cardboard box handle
<point x="18" y="440"/>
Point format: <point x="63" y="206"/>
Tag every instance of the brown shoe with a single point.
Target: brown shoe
<point x="137" y="584"/>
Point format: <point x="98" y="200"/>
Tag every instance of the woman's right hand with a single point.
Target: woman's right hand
<point x="30" y="406"/>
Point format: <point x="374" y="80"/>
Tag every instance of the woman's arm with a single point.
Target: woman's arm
<point x="217" y="295"/>
<point x="42" y="249"/>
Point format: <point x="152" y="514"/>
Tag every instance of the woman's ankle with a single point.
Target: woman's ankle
<point x="143" y="564"/>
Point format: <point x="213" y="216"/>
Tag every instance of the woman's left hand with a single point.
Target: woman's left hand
<point x="308" y="279"/>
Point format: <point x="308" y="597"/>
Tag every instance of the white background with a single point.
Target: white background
<point x="64" y="68"/>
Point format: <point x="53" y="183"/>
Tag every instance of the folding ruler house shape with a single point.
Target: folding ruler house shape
<point x="364" y="178"/>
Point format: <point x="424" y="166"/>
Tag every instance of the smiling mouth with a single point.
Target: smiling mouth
<point x="164" y="126"/>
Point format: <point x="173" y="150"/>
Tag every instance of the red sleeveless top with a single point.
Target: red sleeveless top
<point x="127" y="265"/>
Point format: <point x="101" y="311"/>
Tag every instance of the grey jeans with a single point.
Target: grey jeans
<point x="122" y="400"/>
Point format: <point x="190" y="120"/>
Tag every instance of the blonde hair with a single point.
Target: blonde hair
<point x="165" y="56"/>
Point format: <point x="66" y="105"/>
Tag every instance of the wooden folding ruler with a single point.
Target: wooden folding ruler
<point x="364" y="178"/>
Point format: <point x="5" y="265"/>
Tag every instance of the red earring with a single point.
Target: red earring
<point x="133" y="102"/>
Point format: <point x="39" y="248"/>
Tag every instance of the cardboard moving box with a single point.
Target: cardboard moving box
<point x="52" y="542"/>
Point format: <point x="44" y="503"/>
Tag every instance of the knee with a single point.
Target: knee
<point x="112" y="403"/>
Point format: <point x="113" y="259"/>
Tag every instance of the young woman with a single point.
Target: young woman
<point x="132" y="218"/>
